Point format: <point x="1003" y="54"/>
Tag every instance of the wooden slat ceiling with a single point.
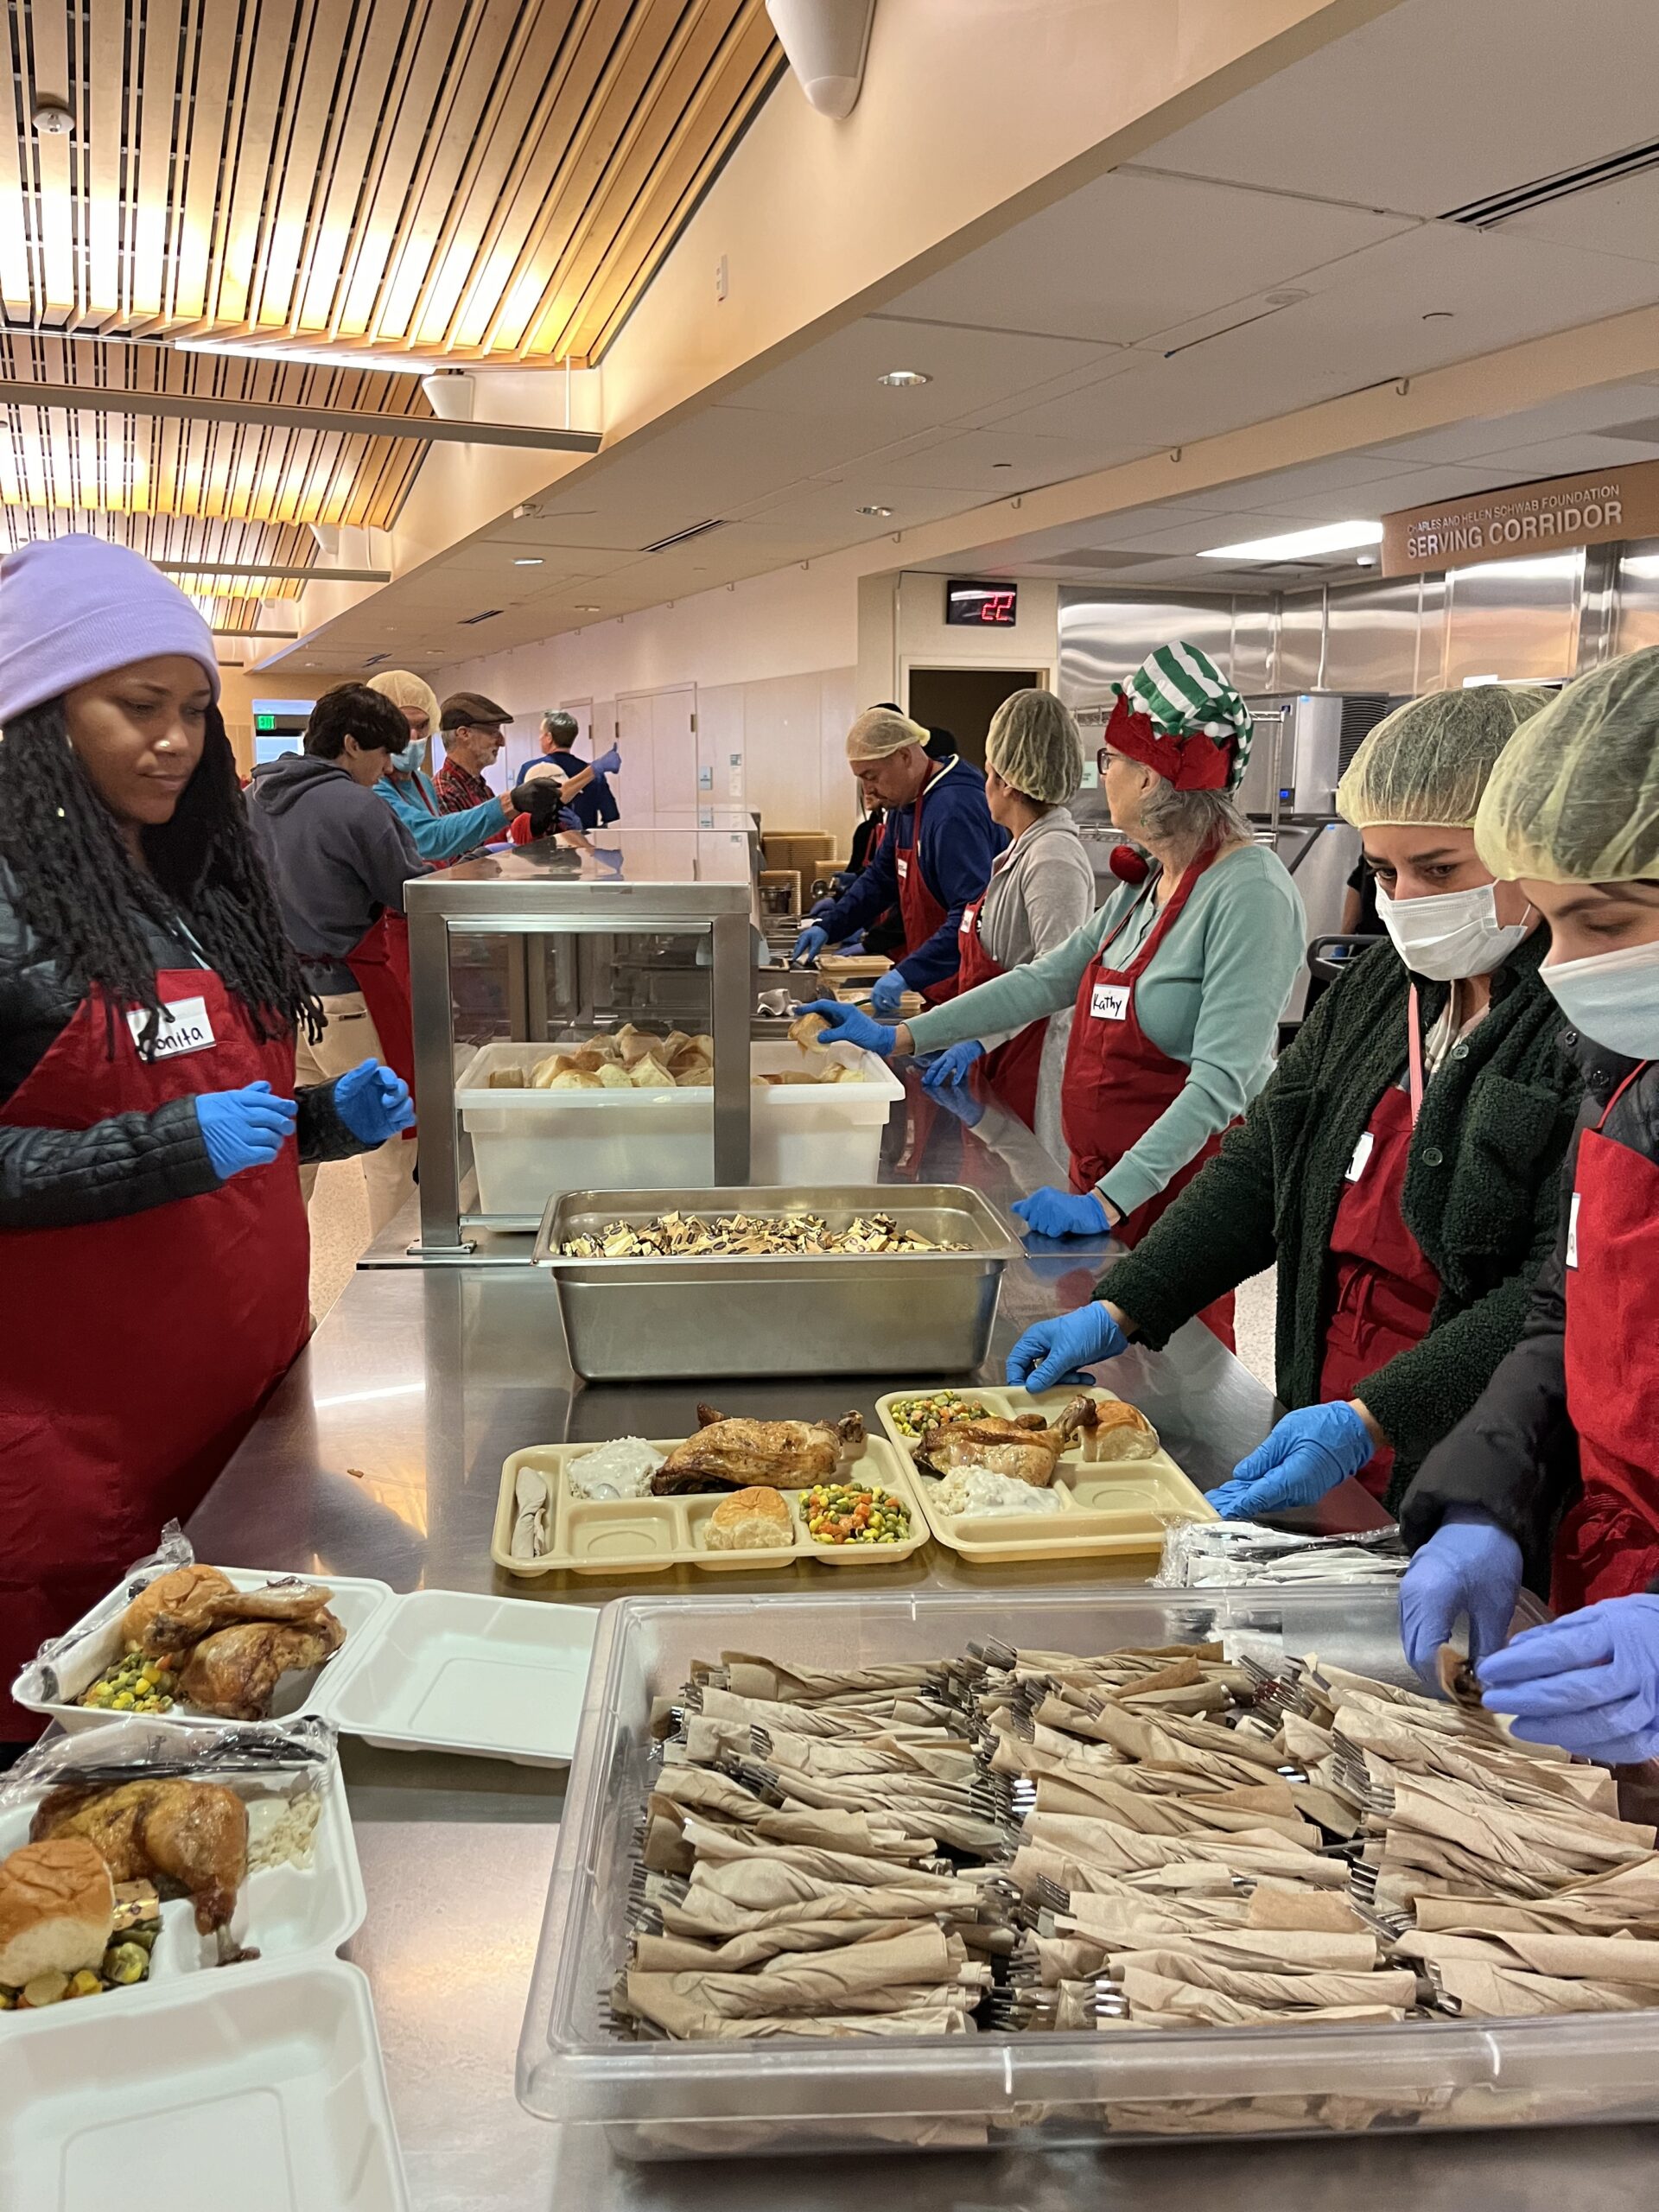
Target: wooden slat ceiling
<point x="467" y="180"/>
<point x="176" y="489"/>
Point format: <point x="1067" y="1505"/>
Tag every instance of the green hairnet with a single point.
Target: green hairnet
<point x="1428" y="761"/>
<point x="1577" y="799"/>
<point x="1035" y="746"/>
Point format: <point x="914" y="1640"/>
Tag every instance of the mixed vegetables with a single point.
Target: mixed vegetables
<point x="854" y="1513"/>
<point x="913" y="1417"/>
<point x="126" y="1960"/>
<point x="134" y="1684"/>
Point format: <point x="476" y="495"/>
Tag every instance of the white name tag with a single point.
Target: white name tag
<point x="1362" y="1154"/>
<point x="1110" y="1002"/>
<point x="901" y="861"/>
<point x="1572" y="1232"/>
<point x="184" y="1027"/>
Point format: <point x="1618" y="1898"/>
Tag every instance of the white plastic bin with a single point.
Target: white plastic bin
<point x="528" y="1144"/>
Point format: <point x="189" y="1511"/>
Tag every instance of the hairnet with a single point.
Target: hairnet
<point x="879" y="732"/>
<point x="1428" y="761"/>
<point x="410" y="692"/>
<point x="1035" y="746"/>
<point x="1576" y="799"/>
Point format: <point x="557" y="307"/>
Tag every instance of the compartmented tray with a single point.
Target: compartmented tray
<point x="265" y="2092"/>
<point x="1108" y="1507"/>
<point x="647" y="1536"/>
<point x="94" y="1644"/>
<point x="283" y="1912"/>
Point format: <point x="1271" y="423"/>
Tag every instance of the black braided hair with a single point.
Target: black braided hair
<point x="78" y="888"/>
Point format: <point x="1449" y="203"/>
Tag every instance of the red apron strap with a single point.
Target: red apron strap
<point x="380" y="965"/>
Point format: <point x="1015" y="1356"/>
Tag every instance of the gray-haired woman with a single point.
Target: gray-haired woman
<point x="1179" y="984"/>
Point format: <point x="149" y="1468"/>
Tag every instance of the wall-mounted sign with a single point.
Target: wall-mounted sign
<point x="980" y="607"/>
<point x="1543" y="517"/>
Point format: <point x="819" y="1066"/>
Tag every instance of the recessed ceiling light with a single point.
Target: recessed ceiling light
<point x="527" y="561"/>
<point x="587" y="610"/>
<point x="904" y="379"/>
<point x="875" y="510"/>
<point x="1329" y="538"/>
<point x="1366" y="561"/>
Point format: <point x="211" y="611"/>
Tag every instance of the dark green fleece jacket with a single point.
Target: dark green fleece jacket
<point x="1482" y="1186"/>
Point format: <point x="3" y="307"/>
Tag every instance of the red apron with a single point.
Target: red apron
<point x="1013" y="1069"/>
<point x="918" y="909"/>
<point x="136" y="1352"/>
<point x="1385" y="1288"/>
<point x="1117" y="1082"/>
<point x="1609" y="1542"/>
<point x="380" y="965"/>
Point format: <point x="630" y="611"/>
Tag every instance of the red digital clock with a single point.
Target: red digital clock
<point x="982" y="607"/>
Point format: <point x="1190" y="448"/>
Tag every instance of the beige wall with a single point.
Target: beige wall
<point x="239" y="689"/>
<point x="901" y="626"/>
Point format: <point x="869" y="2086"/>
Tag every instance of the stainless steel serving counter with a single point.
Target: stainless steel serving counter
<point x="381" y="1454"/>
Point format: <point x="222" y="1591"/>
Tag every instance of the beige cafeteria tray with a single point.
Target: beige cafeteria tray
<point x="647" y="1536"/>
<point x="852" y="967"/>
<point x="1110" y="1507"/>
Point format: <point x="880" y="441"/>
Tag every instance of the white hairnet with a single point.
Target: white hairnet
<point x="1035" y="746"/>
<point x="879" y="732"/>
<point x="1428" y="761"/>
<point x="410" y="692"/>
<point x="1576" y="799"/>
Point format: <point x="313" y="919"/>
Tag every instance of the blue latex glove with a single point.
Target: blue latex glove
<point x="850" y="1025"/>
<point x="1308" y="1452"/>
<point x="1588" y="1682"/>
<point x="608" y="763"/>
<point x="810" y="944"/>
<point x="1050" y="1213"/>
<point x="887" y="991"/>
<point x="568" y="818"/>
<point x="244" y="1129"/>
<point x="374" y="1102"/>
<point x="1051" y="1352"/>
<point x="1468" y="1565"/>
<point x="951" y="1068"/>
<point x="824" y="907"/>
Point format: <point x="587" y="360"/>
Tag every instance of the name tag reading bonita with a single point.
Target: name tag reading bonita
<point x="184" y="1027"/>
<point x="1110" y="1002"/>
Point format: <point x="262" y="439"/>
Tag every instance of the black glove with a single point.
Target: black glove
<point x="539" y="799"/>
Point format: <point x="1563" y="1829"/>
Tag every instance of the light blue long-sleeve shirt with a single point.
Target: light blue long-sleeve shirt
<point x="439" y="837"/>
<point x="1211" y="998"/>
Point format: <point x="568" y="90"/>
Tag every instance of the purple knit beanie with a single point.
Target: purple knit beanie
<point x="72" y="609"/>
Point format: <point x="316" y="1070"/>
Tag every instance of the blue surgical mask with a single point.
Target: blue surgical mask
<point x="1611" y="997"/>
<point x="408" y="762"/>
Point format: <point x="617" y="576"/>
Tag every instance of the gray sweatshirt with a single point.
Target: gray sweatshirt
<point x="337" y="857"/>
<point x="1041" y="890"/>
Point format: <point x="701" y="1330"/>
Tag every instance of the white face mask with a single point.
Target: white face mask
<point x="1613" y="997"/>
<point x="1455" y="935"/>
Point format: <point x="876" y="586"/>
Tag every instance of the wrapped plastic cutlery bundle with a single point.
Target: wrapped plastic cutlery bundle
<point x="1219" y="1555"/>
<point x="1015" y="1842"/>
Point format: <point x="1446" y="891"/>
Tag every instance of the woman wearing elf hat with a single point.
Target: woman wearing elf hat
<point x="1556" y="1470"/>
<point x="1178" y="981"/>
<point x="1402" y="1165"/>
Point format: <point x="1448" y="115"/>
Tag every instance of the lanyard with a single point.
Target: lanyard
<point x="1415" y="1055"/>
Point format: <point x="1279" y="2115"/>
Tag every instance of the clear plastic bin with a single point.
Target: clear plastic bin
<point x="528" y="1144"/>
<point x="668" y="2100"/>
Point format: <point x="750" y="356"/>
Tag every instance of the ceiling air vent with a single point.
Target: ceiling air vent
<point x="1545" y="191"/>
<point x="684" y="536"/>
<point x="488" y="615"/>
<point x="1094" y="557"/>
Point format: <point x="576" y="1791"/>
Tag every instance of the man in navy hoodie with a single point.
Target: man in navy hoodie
<point x="935" y="860"/>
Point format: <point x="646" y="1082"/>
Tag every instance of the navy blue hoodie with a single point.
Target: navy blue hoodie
<point x="959" y="842"/>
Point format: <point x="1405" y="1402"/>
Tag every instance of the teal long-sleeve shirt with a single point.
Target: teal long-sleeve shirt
<point x="439" y="837"/>
<point x="1211" y="998"/>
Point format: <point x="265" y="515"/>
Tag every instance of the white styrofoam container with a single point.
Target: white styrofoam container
<point x="94" y="1644"/>
<point x="281" y="1912"/>
<point x="446" y="1670"/>
<point x="528" y="1144"/>
<point x="266" y="2093"/>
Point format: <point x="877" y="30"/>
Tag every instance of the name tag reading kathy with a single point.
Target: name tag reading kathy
<point x="1572" y="1232"/>
<point x="1110" y="1002"/>
<point x="1362" y="1154"/>
<point x="184" y="1027"/>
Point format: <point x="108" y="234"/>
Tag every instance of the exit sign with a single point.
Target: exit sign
<point x="264" y="721"/>
<point x="980" y="606"/>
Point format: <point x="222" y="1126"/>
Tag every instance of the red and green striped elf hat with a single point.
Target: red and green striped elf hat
<point x="1178" y="714"/>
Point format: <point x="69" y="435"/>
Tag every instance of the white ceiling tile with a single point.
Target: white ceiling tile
<point x="1620" y="217"/>
<point x="970" y="369"/>
<point x="1437" y="103"/>
<point x="1131" y="254"/>
<point x="1570" y="456"/>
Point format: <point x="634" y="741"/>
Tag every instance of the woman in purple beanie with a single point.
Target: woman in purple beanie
<point x="149" y="1132"/>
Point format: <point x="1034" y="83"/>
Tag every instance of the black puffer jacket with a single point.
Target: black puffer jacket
<point x="59" y="1178"/>
<point x="1515" y="1454"/>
